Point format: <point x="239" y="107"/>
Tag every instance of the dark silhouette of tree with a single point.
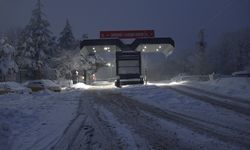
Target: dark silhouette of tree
<point x="67" y="40"/>
<point x="34" y="46"/>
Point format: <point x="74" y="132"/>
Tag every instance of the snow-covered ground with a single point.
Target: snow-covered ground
<point x="35" y="121"/>
<point x="134" y="117"/>
<point x="238" y="87"/>
<point x="233" y="86"/>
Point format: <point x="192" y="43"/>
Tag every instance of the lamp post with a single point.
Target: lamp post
<point x="110" y="70"/>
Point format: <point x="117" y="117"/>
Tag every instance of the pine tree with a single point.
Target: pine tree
<point x="41" y="35"/>
<point x="67" y="40"/>
<point x="34" y="47"/>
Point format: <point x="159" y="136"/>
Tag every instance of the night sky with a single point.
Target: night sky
<point x="179" y="19"/>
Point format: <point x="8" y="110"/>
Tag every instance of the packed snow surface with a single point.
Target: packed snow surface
<point x="35" y="121"/>
<point x="101" y="116"/>
<point x="232" y="86"/>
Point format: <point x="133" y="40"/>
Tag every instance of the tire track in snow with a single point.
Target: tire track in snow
<point x="209" y="128"/>
<point x="231" y="104"/>
<point x="95" y="133"/>
<point x="141" y="124"/>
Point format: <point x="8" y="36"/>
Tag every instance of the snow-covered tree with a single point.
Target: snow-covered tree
<point x="70" y="61"/>
<point x="8" y="66"/>
<point x="34" y="46"/>
<point x="91" y="62"/>
<point x="67" y="40"/>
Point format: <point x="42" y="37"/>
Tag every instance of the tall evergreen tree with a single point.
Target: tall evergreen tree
<point x="39" y="28"/>
<point x="67" y="40"/>
<point x="34" y="43"/>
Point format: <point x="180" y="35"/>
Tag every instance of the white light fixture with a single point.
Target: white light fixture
<point x="157" y="49"/>
<point x="145" y="47"/>
<point x="143" y="50"/>
<point x="93" y="48"/>
<point x="109" y="64"/>
<point x="108" y="50"/>
<point x="105" y="48"/>
<point x="160" y="46"/>
<point x="94" y="51"/>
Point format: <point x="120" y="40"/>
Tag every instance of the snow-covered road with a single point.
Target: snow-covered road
<point x="134" y="117"/>
<point x="231" y="103"/>
<point x="139" y="118"/>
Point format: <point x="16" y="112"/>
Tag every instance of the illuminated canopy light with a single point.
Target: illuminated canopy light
<point x="166" y="49"/>
<point x="106" y="48"/>
<point x="146" y="45"/>
<point x="109" y="64"/>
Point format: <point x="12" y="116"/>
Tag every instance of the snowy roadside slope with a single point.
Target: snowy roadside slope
<point x="167" y="99"/>
<point x="227" y="121"/>
<point x="35" y="121"/>
<point x="235" y="87"/>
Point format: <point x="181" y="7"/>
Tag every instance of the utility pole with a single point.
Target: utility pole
<point x="201" y="52"/>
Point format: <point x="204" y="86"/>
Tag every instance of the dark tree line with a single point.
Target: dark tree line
<point x="230" y="54"/>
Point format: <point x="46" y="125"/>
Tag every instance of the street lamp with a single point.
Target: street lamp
<point x="110" y="68"/>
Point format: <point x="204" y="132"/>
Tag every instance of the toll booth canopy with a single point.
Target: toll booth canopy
<point x="127" y="57"/>
<point x="128" y="68"/>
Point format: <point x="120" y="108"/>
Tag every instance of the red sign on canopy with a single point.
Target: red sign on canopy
<point x="127" y="34"/>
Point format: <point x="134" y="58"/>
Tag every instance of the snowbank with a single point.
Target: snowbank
<point x="81" y="86"/>
<point x="238" y="87"/>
